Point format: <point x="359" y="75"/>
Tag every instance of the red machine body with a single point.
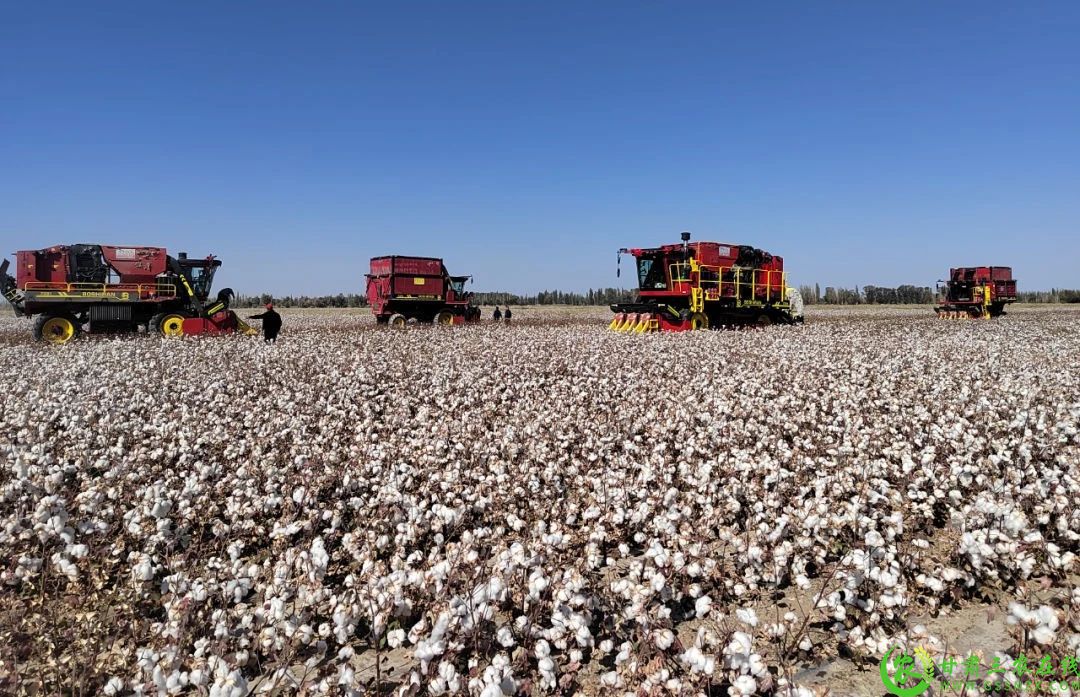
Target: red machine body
<point x="223" y="322"/>
<point x="696" y="285"/>
<point x="401" y="289"/>
<point x="979" y="292"/>
<point x="98" y="288"/>
<point x="135" y="269"/>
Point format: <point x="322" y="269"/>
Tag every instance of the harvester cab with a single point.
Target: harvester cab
<point x="700" y="285"/>
<point x="457" y="285"/>
<point x="199" y="273"/>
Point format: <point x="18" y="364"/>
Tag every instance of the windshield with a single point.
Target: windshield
<point x="201" y="280"/>
<point x="458" y="286"/>
<point x="651" y="274"/>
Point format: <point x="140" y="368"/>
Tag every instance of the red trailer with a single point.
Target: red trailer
<point x="978" y="292"/>
<point x="401" y="289"/>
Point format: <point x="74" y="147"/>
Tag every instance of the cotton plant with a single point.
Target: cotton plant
<point x="539" y="506"/>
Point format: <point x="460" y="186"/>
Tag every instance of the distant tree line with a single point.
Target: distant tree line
<point x="868" y="295"/>
<point x="914" y="295"/>
<point x="593" y="296"/>
<point x="1054" y="295"/>
<point x="812" y="295"/>
<point x="339" y="300"/>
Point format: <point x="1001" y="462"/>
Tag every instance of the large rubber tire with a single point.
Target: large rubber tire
<point x="168" y="324"/>
<point x="763" y="320"/>
<point x="698" y="320"/>
<point x="56" y="329"/>
<point x="444" y="317"/>
<point x="398" y="321"/>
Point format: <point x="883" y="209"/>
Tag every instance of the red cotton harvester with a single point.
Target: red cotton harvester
<point x="706" y="284"/>
<point x="404" y="290"/>
<point x="100" y="288"/>
<point x="976" y="292"/>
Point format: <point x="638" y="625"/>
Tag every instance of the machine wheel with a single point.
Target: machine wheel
<point x="168" y="323"/>
<point x="698" y="320"/>
<point x="56" y="329"/>
<point x="763" y="321"/>
<point x="398" y="321"/>
<point x="444" y="317"/>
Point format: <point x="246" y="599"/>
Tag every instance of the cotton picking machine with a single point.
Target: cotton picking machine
<point x="706" y="284"/>
<point x="976" y="292"/>
<point x="405" y="289"/>
<point x="100" y="288"/>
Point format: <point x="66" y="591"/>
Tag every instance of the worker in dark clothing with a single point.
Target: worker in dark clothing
<point x="496" y="315"/>
<point x="271" y="323"/>
<point x="507" y="314"/>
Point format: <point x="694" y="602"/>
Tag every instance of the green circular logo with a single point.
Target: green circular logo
<point x="904" y="670"/>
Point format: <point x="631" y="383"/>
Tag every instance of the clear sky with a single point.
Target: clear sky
<point x="524" y="142"/>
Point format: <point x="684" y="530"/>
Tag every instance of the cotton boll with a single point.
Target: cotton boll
<point x="744" y="685"/>
<point x="505" y="637"/>
<point x="747" y="616"/>
<point x="697" y="661"/>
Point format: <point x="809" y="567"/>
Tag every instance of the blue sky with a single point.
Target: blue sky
<point x="524" y="142"/>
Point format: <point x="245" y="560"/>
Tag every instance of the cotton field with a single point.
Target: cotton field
<point x="542" y="507"/>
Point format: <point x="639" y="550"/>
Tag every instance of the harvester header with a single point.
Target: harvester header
<point x="697" y="285"/>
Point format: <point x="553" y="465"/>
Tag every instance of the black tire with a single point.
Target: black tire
<point x="40" y="329"/>
<point x="156" y="320"/>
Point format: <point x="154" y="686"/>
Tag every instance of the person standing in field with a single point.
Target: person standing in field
<point x="271" y="323"/>
<point x="496" y="315"/>
<point x="507" y="314"/>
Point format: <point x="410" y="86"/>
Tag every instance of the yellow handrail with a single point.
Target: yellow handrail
<point x="684" y="273"/>
<point x="161" y="289"/>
